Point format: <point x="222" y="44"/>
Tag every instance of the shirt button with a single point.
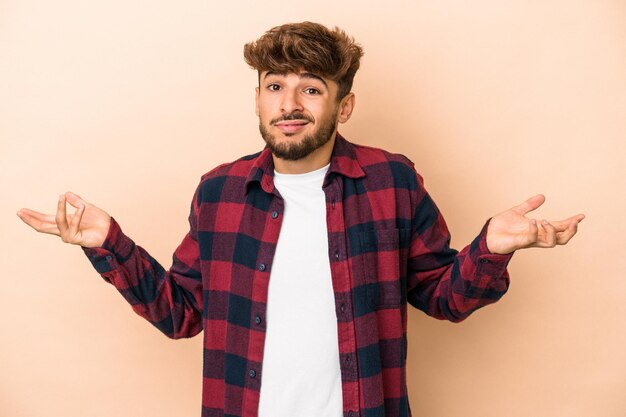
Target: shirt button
<point x="252" y="373"/>
<point x="350" y="414"/>
<point x="262" y="267"/>
<point x="332" y="204"/>
<point x="109" y="258"/>
<point x="337" y="256"/>
<point x="349" y="360"/>
<point x="274" y="214"/>
<point x="342" y="308"/>
<point x="257" y="319"/>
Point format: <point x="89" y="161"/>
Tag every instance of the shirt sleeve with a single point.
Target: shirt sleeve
<point x="170" y="300"/>
<point x="443" y="282"/>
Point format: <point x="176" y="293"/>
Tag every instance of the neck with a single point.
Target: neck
<point x="317" y="159"/>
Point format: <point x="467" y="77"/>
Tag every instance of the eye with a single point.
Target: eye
<point x="273" y="87"/>
<point x="312" y="91"/>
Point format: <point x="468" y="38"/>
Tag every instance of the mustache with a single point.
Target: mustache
<point x="292" y="116"/>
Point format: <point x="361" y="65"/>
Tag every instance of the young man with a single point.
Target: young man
<point x="301" y="259"/>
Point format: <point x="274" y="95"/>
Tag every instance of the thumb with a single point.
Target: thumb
<point x="531" y="204"/>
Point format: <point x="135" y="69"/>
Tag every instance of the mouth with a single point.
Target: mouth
<point x="291" y="126"/>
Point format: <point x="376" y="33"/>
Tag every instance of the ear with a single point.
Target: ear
<point x="345" y="108"/>
<point x="256" y="101"/>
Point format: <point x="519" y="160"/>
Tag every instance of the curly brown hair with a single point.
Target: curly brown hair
<point x="310" y="47"/>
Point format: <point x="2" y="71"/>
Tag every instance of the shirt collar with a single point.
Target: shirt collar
<point x="343" y="161"/>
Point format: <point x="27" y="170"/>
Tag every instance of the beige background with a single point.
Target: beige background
<point x="128" y="102"/>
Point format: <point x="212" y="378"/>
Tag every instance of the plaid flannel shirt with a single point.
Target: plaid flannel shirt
<point x="388" y="245"/>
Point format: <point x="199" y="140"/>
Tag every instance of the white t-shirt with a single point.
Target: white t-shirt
<point x="301" y="375"/>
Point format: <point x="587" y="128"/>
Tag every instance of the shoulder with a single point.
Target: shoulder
<point x="233" y="175"/>
<point x="238" y="167"/>
<point x="378" y="163"/>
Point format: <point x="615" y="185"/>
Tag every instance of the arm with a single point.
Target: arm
<point x="170" y="300"/>
<point x="444" y="283"/>
<point x="450" y="285"/>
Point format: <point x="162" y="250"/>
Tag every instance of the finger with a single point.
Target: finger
<point x="32" y="214"/>
<point x="529" y="205"/>
<point x="550" y="234"/>
<point x="527" y="240"/>
<point x="61" y="217"/>
<point x="74" y="199"/>
<point x="565" y="237"/>
<point x="562" y="225"/>
<point x="75" y="223"/>
<point x="44" y="223"/>
<point x="533" y="233"/>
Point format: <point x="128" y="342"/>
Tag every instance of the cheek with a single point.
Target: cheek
<point x="261" y="111"/>
<point x="326" y="115"/>
<point x="265" y="116"/>
<point x="264" y="109"/>
<point x="317" y="112"/>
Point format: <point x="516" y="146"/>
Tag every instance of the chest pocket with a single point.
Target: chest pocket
<point x="384" y="255"/>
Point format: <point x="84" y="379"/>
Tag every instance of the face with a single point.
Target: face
<point x="298" y="113"/>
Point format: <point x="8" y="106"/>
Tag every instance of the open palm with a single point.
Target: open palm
<point x="87" y="226"/>
<point x="512" y="230"/>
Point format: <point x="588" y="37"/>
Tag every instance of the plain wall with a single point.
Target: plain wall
<point x="127" y="103"/>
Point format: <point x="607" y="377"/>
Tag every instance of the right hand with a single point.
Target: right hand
<point x="87" y="227"/>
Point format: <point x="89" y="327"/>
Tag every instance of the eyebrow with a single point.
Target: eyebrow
<point x="301" y="75"/>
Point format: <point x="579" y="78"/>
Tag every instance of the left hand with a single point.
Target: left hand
<point x="512" y="230"/>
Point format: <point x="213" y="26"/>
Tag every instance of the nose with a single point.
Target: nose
<point x="290" y="102"/>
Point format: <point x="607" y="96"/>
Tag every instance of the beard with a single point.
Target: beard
<point x="309" y="143"/>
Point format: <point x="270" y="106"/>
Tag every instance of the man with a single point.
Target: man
<point x="301" y="259"/>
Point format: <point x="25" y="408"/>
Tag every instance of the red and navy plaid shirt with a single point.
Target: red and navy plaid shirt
<point x="387" y="245"/>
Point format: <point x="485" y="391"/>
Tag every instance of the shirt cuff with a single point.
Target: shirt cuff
<point x="493" y="264"/>
<point x="116" y="249"/>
